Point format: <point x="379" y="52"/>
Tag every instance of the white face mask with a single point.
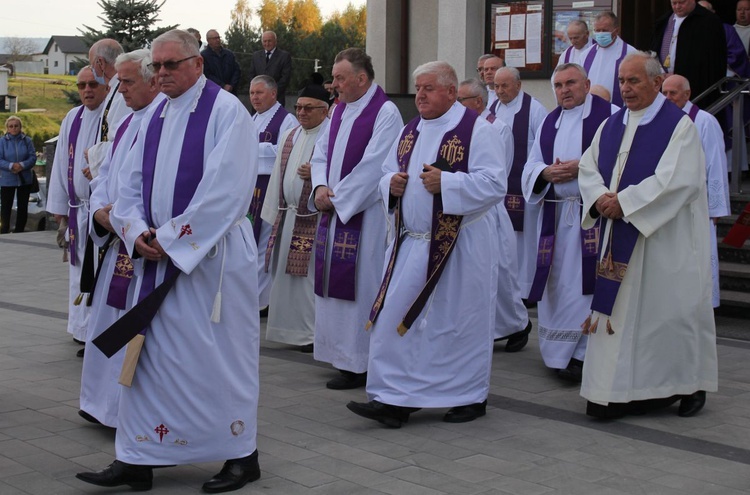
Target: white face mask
<point x="603" y="39"/>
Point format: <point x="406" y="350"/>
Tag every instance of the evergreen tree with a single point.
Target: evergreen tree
<point x="130" y="22"/>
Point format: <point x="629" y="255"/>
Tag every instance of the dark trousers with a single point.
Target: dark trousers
<point x="6" y="206"/>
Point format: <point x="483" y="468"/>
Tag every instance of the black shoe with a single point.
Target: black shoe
<point x="118" y="473"/>
<point x="613" y="410"/>
<point x="574" y="371"/>
<point x="80" y="352"/>
<point x="264" y="312"/>
<point x="691" y="404"/>
<point x="518" y="340"/>
<point x="464" y="414"/>
<point x="307" y="348"/>
<point x="347" y="380"/>
<point x="528" y="304"/>
<point x="235" y="474"/>
<point x="79" y="342"/>
<point x="88" y="417"/>
<point x="392" y="416"/>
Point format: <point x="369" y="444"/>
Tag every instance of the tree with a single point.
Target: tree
<point x="19" y="49"/>
<point x="130" y="22"/>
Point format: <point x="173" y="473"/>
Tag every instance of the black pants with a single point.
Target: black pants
<point x="6" y="206"/>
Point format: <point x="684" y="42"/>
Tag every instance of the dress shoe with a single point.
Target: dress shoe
<point x="347" y="380"/>
<point x="574" y="371"/>
<point x="392" y="416"/>
<point x="79" y="342"/>
<point x="264" y="312"/>
<point x="691" y="404"/>
<point x="464" y="414"/>
<point x="80" y="352"/>
<point x="613" y="410"/>
<point x="118" y="473"/>
<point x="88" y="417"/>
<point x="235" y="474"/>
<point x="307" y="348"/>
<point x="518" y="340"/>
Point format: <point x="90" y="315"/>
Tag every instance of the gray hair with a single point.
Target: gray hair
<point x="567" y="66"/>
<point x="107" y="49"/>
<point x="512" y="70"/>
<point x="12" y="118"/>
<point x="608" y="15"/>
<point x="485" y="57"/>
<point x="446" y="75"/>
<point x="269" y="81"/>
<point x="579" y="23"/>
<point x="182" y="38"/>
<point x="270" y="32"/>
<point x="140" y="57"/>
<point x="651" y="64"/>
<point x="476" y="87"/>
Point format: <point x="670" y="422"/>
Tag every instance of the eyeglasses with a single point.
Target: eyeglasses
<point x="480" y="69"/>
<point x="90" y="84"/>
<point x="488" y="69"/>
<point x="169" y="65"/>
<point x="213" y="38"/>
<point x="462" y="99"/>
<point x="307" y="108"/>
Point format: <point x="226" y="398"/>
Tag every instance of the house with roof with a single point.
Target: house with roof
<point x="61" y="53"/>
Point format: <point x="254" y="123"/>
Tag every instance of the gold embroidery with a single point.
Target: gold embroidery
<point x="345" y="245"/>
<point x="452" y="151"/>
<point x="405" y="145"/>
<point x="591" y="240"/>
<point x="514" y="202"/>
<point x="301" y="244"/>
<point x="123" y="266"/>
<point x="611" y="270"/>
<point x="446" y="233"/>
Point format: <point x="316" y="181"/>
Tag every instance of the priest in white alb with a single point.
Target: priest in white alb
<point x="652" y="339"/>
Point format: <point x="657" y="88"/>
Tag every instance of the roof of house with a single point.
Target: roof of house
<point x="67" y="44"/>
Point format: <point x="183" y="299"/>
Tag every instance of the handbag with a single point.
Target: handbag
<point x="34" y="182"/>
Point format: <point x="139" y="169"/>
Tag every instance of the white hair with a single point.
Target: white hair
<point x="140" y="57"/>
<point x="183" y="38"/>
<point x="446" y="75"/>
<point x="476" y="87"/>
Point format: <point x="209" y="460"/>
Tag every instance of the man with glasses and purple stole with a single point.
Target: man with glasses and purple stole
<point x="181" y="213"/>
<point x="652" y="339"/>
<point x="69" y="188"/>
<point x="272" y="120"/>
<point x="432" y="322"/>
<point x="566" y="255"/>
<point x="351" y="238"/>
<point x="290" y="256"/>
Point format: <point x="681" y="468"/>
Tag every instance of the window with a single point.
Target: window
<point x="56" y="63"/>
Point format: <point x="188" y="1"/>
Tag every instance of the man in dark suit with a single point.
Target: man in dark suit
<point x="274" y="62"/>
<point x="219" y="64"/>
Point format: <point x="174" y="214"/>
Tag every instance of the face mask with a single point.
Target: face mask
<point x="97" y="77"/>
<point x="603" y="39"/>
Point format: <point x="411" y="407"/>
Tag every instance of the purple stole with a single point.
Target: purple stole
<point x="649" y="143"/>
<point x="568" y="53"/>
<point x="269" y="135"/>
<point x="75" y="129"/>
<point x="514" y="201"/>
<point x="693" y="113"/>
<point x="189" y="175"/>
<point x="123" y="272"/>
<point x="493" y="108"/>
<point x="445" y="228"/>
<point x="616" y="96"/>
<point x="600" y="111"/>
<point x="341" y="279"/>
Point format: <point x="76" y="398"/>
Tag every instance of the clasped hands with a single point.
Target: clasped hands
<point x="609" y="206"/>
<point x="560" y="172"/>
<point x="430" y="177"/>
<point x="147" y="246"/>
<point x="16" y="168"/>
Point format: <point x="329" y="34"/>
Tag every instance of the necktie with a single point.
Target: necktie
<point x="666" y="43"/>
<point x="268" y="56"/>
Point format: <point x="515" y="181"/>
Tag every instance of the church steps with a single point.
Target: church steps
<point x="734" y="263"/>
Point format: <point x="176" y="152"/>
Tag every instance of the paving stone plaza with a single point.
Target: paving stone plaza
<point x="535" y="438"/>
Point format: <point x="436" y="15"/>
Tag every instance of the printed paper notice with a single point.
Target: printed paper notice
<point x="515" y="57"/>
<point x="502" y="27"/>
<point x="517" y="25"/>
<point x="534" y="38"/>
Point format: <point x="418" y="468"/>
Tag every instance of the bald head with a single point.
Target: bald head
<point x="102" y="56"/>
<point x="677" y="90"/>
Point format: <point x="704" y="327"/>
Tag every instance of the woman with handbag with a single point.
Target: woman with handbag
<point x="17" y="157"/>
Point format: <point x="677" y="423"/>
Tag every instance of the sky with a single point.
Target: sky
<point x="44" y="18"/>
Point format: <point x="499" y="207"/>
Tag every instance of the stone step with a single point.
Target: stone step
<point x="737" y="202"/>
<point x="735" y="304"/>
<point x="734" y="276"/>
<point x="735" y="255"/>
<point x="724" y="224"/>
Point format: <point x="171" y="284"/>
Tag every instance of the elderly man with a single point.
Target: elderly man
<point x="512" y="320"/>
<point x="102" y="56"/>
<point x="220" y="64"/>
<point x="351" y="238"/>
<point x="566" y="255"/>
<point x="431" y="335"/>
<point x="742" y="26"/>
<point x="489" y="67"/>
<point x="652" y="337"/>
<point x="271" y="119"/>
<point x="114" y="290"/>
<point x="578" y="35"/>
<point x="677" y="90"/>
<point x="691" y="42"/>
<point x="195" y="393"/>
<point x="523" y="114"/>
<point x="291" y="316"/>
<point x="603" y="59"/>
<point x="69" y="188"/>
<point x="274" y="62"/>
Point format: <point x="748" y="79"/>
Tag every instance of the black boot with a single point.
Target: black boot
<point x="119" y="473"/>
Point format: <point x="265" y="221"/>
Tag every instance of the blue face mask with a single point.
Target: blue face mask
<point x="97" y="77"/>
<point x="603" y="39"/>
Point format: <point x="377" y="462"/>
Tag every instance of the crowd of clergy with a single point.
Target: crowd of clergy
<point x="403" y="255"/>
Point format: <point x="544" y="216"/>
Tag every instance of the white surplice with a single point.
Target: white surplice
<point x="576" y="55"/>
<point x="602" y="70"/>
<point x="664" y="340"/>
<point x="563" y="307"/>
<point x="712" y="138"/>
<point x="195" y="392"/>
<point x="291" y="313"/>
<point x="57" y="204"/>
<point x="445" y="358"/>
<point x="100" y="392"/>
<point x="266" y="158"/>
<point x="526" y="240"/>
<point x="118" y="110"/>
<point x="340" y="337"/>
